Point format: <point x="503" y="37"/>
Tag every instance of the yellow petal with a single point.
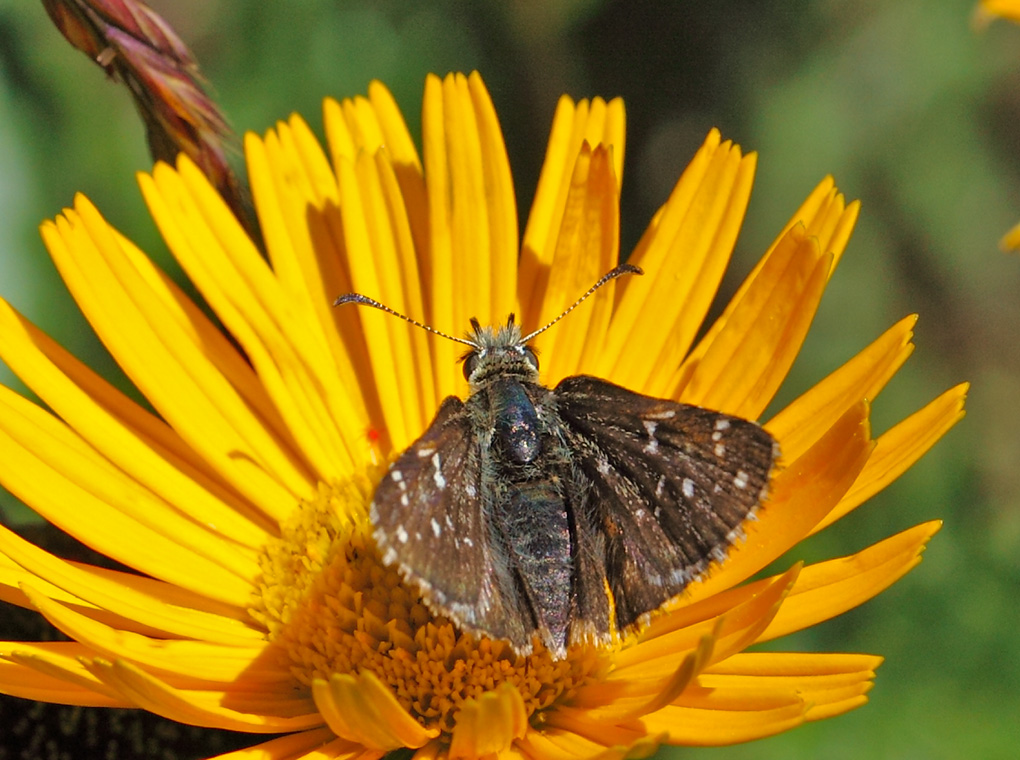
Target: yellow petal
<point x="734" y="629"/>
<point x="825" y="217"/>
<point x="488" y="724"/>
<point x="33" y="435"/>
<point x="391" y="345"/>
<point x="595" y="727"/>
<point x="47" y="466"/>
<point x="338" y="349"/>
<point x="831" y="710"/>
<point x="711" y="727"/>
<point x="130" y="601"/>
<point x="413" y="296"/>
<point x="501" y="202"/>
<point x="134" y="440"/>
<point x="803" y="421"/>
<point x="197" y="351"/>
<point x="587" y="247"/>
<point x="53" y="659"/>
<point x="361" y="709"/>
<point x="1008" y="9"/>
<point x="472" y="214"/>
<point x="1011" y="240"/>
<point x="631" y="697"/>
<point x="827" y="589"/>
<point x="12" y="575"/>
<point x="561" y="744"/>
<point x="196" y="664"/>
<point x="738" y="698"/>
<point x="269" y="713"/>
<point x="298" y="190"/>
<point x="360" y="125"/>
<point x="430" y="751"/>
<point x="684" y="254"/>
<point x="747" y="359"/>
<point x="283" y="320"/>
<point x="796" y="665"/>
<point x="182" y="364"/>
<point x="305" y="745"/>
<point x="898" y="448"/>
<point x="595" y="123"/>
<point x="53" y="677"/>
<point x="730" y="694"/>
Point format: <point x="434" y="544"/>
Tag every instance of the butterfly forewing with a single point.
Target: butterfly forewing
<point x="670" y="485"/>
<point x="429" y="518"/>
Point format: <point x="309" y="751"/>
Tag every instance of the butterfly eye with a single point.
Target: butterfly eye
<point x="531" y="358"/>
<point x="470" y="362"/>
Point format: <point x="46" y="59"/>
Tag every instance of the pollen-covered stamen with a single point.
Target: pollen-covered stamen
<point x="331" y="606"/>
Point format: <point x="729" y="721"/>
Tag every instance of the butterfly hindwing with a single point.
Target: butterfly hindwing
<point x="670" y="485"/>
<point x="430" y="518"/>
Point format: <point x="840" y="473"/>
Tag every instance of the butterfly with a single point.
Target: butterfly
<point x="562" y="514"/>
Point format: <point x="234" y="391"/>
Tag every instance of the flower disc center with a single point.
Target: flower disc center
<point x="330" y="604"/>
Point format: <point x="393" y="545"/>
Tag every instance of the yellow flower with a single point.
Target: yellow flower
<point x="1011" y="240"/>
<point x="260" y="603"/>
<point x="984" y="13"/>
<point x="988" y="9"/>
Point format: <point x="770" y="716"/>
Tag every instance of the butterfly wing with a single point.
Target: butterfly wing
<point x="670" y="485"/>
<point x="431" y="521"/>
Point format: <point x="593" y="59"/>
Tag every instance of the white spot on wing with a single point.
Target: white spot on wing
<point x="719" y="450"/>
<point x="722" y="425"/>
<point x="425" y="452"/>
<point x="687" y="487"/>
<point x="716" y="436"/>
<point x="741" y="480"/>
<point x="438" y="474"/>
<point x="665" y="414"/>
<point x="660" y="487"/>
<point x="401" y="534"/>
<point x="397" y="476"/>
<point x="603" y="466"/>
<point x="436" y="530"/>
<point x="652" y="446"/>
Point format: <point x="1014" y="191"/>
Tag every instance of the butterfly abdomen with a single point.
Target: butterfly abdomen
<point x="534" y="521"/>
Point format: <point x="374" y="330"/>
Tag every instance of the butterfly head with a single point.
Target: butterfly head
<point x="501" y="351"/>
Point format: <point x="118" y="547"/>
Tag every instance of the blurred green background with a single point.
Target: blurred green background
<point x="911" y="108"/>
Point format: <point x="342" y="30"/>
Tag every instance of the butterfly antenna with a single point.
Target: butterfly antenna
<point x="612" y="274"/>
<point x="360" y="299"/>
